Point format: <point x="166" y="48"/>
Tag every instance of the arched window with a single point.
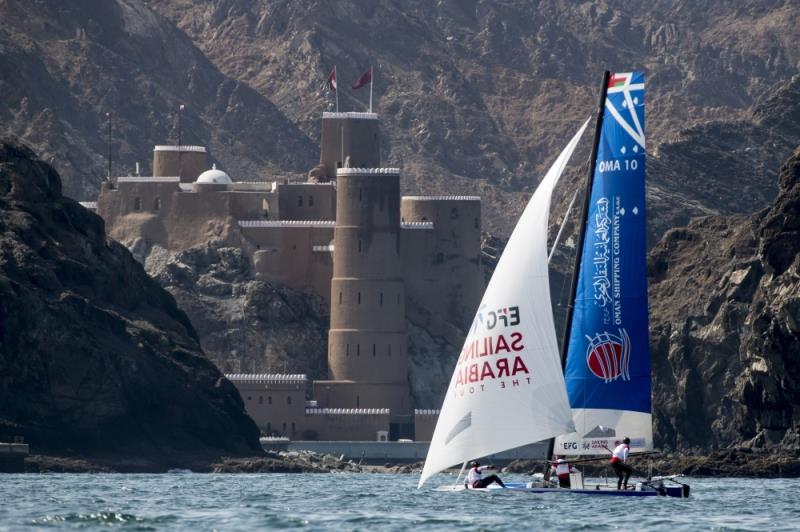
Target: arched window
<point x="374" y="349"/>
<point x="381" y="298"/>
<point x="359" y="245"/>
<point x="299" y="201"/>
<point x="157" y="204"/>
<point x="340" y="298"/>
<point x="358" y="350"/>
<point x="261" y="399"/>
<point x="389" y="349"/>
<point x="347" y="351"/>
<point x="288" y="399"/>
<point x="311" y="201"/>
<point x="359" y="298"/>
<point x="269" y="399"/>
<point x="137" y="204"/>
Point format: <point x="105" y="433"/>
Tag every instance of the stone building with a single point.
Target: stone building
<point x="347" y="235"/>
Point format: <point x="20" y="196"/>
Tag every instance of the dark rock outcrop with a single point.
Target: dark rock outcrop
<point x="95" y="357"/>
<point x="726" y="337"/>
<point x="245" y="325"/>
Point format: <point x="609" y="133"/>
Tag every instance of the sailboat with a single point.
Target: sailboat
<point x="511" y="386"/>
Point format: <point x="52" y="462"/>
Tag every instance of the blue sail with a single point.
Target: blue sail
<point x="608" y="360"/>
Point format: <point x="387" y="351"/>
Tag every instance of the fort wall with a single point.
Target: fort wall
<point x="443" y="267"/>
<point x="275" y="402"/>
<point x="307" y="201"/>
<point x="293" y="252"/>
<point x="425" y="424"/>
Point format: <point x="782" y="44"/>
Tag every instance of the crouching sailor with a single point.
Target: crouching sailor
<point x="475" y="480"/>
<point x="561" y="468"/>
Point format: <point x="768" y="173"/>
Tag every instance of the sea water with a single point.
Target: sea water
<point x="373" y="502"/>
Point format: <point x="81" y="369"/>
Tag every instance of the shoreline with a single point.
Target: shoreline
<point x="740" y="462"/>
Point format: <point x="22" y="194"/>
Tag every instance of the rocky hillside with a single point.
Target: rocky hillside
<point x="72" y="62"/>
<point x="245" y="325"/>
<point x="726" y="336"/>
<point x="476" y="96"/>
<point x="95" y="357"/>
<point x="479" y="96"/>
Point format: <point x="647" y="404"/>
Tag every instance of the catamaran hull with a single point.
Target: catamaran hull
<point x="679" y="491"/>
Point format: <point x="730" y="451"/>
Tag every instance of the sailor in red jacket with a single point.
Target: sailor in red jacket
<point x="618" y="458"/>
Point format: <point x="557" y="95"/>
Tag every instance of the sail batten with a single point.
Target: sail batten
<point x="608" y="359"/>
<point x="508" y="388"/>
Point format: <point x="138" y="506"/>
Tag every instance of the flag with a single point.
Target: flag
<point x="181" y="107"/>
<point x="365" y="79"/>
<point x="618" y="80"/>
<point x="332" y="79"/>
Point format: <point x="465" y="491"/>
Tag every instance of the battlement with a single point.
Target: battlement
<point x="266" y="378"/>
<point x="367" y="171"/>
<point x="416" y="225"/>
<point x="197" y="149"/>
<point x="442" y="198"/>
<point x="91" y="205"/>
<point x="149" y="179"/>
<point x="286" y="223"/>
<point x="348" y="411"/>
<point x="427" y="412"/>
<point x="327" y="249"/>
<point x="362" y="116"/>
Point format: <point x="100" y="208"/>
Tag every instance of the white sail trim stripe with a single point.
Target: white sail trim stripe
<point x="639" y="138"/>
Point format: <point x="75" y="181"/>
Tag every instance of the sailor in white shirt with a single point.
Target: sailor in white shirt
<point x="475" y="478"/>
<point x="618" y="458"/>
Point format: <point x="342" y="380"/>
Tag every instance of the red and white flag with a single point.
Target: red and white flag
<point x="365" y="79"/>
<point x="332" y="79"/>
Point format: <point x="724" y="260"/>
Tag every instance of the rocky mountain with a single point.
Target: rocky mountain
<point x="726" y="336"/>
<point x="479" y="96"/>
<point x="67" y="64"/>
<point x="95" y="357"/>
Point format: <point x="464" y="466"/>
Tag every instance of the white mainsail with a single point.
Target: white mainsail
<point x="508" y="388"/>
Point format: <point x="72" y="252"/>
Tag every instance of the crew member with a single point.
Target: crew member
<point x="561" y="468"/>
<point x="618" y="458"/>
<point x="474" y="477"/>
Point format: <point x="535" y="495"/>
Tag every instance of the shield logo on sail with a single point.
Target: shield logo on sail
<point x="609" y="355"/>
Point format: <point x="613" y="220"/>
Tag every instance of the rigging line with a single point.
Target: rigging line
<point x="563" y="223"/>
<point x="458" y="478"/>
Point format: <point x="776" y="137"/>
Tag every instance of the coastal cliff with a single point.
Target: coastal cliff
<point x="726" y="337"/>
<point x="96" y="359"/>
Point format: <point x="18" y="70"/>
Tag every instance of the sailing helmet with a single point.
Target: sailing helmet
<point x="626" y="440"/>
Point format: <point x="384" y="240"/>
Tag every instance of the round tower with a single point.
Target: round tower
<point x="367" y="339"/>
<point x="187" y="162"/>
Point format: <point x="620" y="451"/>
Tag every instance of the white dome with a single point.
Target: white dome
<point x="214" y="177"/>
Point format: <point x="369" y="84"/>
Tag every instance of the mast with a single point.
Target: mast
<point x="581" y="236"/>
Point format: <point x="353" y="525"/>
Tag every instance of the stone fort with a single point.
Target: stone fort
<point x="345" y="234"/>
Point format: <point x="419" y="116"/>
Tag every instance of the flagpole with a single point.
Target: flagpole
<point x="371" y="83"/>
<point x="336" y="89"/>
<point x="108" y="174"/>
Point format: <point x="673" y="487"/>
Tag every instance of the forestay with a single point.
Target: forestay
<point x="508" y="388"/>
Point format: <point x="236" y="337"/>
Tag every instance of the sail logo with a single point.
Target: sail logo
<point x="506" y="316"/>
<point x="608" y="356"/>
